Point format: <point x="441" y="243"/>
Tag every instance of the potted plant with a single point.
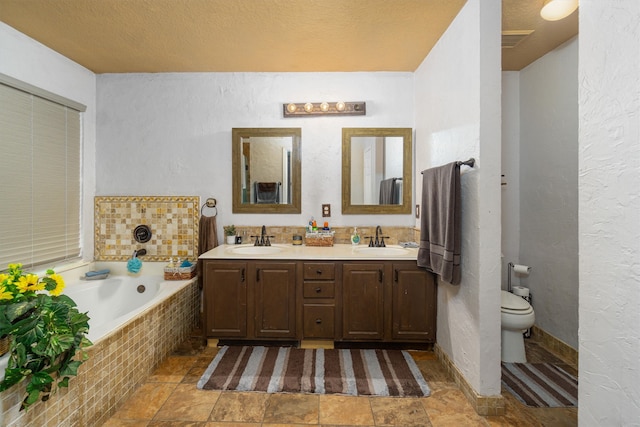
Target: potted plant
<point x="230" y="232"/>
<point x="45" y="331"/>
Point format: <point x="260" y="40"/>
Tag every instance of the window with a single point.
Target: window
<point x="39" y="178"/>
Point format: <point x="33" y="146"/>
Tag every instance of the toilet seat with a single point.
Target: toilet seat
<point x="514" y="304"/>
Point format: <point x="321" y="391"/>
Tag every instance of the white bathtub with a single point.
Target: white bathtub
<point x="113" y="302"/>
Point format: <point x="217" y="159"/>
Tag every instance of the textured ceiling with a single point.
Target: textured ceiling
<point x="125" y="36"/>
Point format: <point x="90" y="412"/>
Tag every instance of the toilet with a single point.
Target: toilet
<point x="516" y="315"/>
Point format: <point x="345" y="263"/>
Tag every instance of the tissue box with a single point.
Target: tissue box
<point x="319" y="239"/>
<point x="180" y="273"/>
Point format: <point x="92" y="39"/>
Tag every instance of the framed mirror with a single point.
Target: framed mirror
<point x="266" y="170"/>
<point x="376" y="170"/>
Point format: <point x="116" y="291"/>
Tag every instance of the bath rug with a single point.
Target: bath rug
<point x="542" y="385"/>
<point x="319" y="371"/>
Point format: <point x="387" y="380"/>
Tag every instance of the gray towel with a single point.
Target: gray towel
<point x="440" y="240"/>
<point x="267" y="192"/>
<point x="387" y="191"/>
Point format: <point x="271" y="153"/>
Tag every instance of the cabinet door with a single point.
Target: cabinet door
<point x="225" y="296"/>
<point x="413" y="304"/>
<point x="363" y="301"/>
<point x="275" y="300"/>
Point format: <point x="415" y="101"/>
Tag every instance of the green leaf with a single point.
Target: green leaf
<point x="67" y="300"/>
<point x="31" y="398"/>
<point x="71" y="368"/>
<point x="41" y="378"/>
<point x="11" y="376"/>
<point x="64" y="382"/>
<point x="15" y="310"/>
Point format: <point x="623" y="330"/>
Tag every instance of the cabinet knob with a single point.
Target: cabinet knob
<point x="318" y="272"/>
<point x="318" y="290"/>
<point x="318" y="321"/>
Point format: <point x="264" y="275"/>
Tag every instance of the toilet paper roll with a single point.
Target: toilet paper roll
<point x="522" y="269"/>
<point x="520" y="291"/>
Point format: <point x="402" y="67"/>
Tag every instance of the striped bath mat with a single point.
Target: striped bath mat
<point x="320" y="371"/>
<point x="540" y="384"/>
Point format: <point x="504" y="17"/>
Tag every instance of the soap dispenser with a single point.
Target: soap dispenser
<point x="355" y="237"/>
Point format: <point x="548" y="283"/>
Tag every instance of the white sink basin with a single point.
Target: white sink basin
<point x="256" y="250"/>
<point x="386" y="251"/>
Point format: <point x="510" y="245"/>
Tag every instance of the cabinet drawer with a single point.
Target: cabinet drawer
<point x="318" y="321"/>
<point x="319" y="271"/>
<point x="313" y="289"/>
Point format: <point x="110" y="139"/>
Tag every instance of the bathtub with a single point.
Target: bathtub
<point x="114" y="301"/>
<point x="131" y="331"/>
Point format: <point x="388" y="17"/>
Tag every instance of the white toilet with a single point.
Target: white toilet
<point x="516" y="315"/>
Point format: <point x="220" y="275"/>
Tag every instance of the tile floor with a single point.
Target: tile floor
<point x="169" y="398"/>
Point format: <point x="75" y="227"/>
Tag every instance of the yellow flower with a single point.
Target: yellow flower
<point x="3" y="277"/>
<point x="4" y="294"/>
<point x="15" y="266"/>
<point x="27" y="283"/>
<point x="59" y="284"/>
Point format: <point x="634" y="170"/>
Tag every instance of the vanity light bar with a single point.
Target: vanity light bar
<point x="301" y="109"/>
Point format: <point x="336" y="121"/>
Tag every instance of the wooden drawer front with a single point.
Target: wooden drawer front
<point x="318" y="290"/>
<point x="319" y="271"/>
<point x="318" y="321"/>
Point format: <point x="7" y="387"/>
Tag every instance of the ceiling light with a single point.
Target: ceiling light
<point x="554" y="10"/>
<point x="293" y="109"/>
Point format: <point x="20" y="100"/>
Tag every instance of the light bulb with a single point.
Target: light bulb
<point x="324" y="106"/>
<point x="308" y="107"/>
<point x="340" y="106"/>
<point x="291" y="108"/>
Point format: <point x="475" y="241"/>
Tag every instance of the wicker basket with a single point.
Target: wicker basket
<point x="319" y="239"/>
<point x="180" y="273"/>
<point x="4" y="345"/>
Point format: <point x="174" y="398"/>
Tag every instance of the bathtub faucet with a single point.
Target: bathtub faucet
<point x="137" y="253"/>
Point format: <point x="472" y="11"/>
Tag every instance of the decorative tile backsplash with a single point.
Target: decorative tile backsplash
<point x="284" y="234"/>
<point x="173" y="221"/>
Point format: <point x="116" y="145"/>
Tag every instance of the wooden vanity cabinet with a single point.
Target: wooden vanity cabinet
<point x="250" y="299"/>
<point x="319" y="306"/>
<point x="413" y="303"/>
<point x="274" y="299"/>
<point x="225" y="298"/>
<point x="375" y="301"/>
<point x="388" y="301"/>
<point x="363" y="311"/>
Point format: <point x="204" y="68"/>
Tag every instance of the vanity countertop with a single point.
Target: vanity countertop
<point x="303" y="252"/>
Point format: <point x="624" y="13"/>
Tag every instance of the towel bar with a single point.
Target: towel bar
<point x="471" y="162"/>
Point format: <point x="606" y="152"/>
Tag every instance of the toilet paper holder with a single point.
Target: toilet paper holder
<point x="518" y="268"/>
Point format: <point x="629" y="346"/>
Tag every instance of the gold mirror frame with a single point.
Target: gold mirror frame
<point x="407" y="165"/>
<point x="237" y="135"/>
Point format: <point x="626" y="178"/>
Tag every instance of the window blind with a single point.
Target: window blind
<point x="39" y="179"/>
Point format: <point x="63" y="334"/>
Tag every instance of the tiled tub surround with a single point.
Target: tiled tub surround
<point x="173" y="221"/>
<point x="118" y="363"/>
